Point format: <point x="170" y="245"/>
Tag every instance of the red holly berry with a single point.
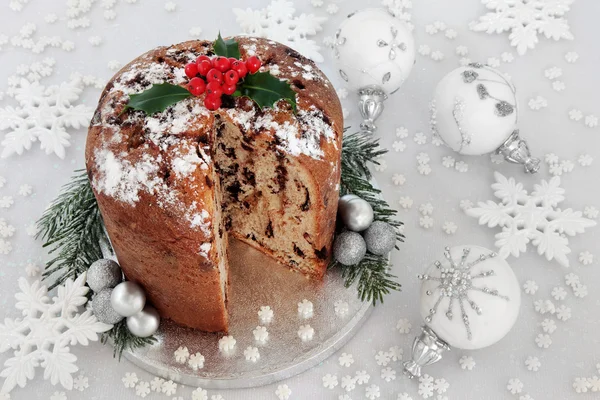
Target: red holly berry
<point x="231" y="77"/>
<point x="232" y="60"/>
<point x="239" y="67"/>
<point x="253" y="64"/>
<point x="203" y="67"/>
<point x="191" y="70"/>
<point x="214" y="88"/>
<point x="222" y="63"/>
<point x="228" y="89"/>
<point x="201" y="58"/>
<point x="212" y="102"/>
<point x="214" y="75"/>
<point x="197" y="86"/>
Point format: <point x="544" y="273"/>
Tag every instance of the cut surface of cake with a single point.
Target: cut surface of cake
<point x="172" y="186"/>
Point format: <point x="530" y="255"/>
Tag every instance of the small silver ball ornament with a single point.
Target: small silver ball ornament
<point x="102" y="308"/>
<point x="128" y="298"/>
<point x="380" y="238"/>
<point x="355" y="213"/>
<point x="145" y="323"/>
<point x="102" y="274"/>
<point x="349" y="248"/>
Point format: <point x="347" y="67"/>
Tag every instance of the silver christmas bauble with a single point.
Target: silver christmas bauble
<point x="380" y="238"/>
<point x="102" y="308"/>
<point x="128" y="298"/>
<point x="145" y="323"/>
<point x="349" y="248"/>
<point x="103" y="274"/>
<point x="356" y="213"/>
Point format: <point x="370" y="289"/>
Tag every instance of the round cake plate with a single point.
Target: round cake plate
<point x="257" y="280"/>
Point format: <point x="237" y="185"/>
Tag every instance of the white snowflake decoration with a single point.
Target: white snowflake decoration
<point x="534" y="218"/>
<point x="525" y="19"/>
<point x="277" y="22"/>
<point x="42" y="336"/>
<point x="43" y="114"/>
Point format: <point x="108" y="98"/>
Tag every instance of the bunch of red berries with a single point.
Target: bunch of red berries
<point x="218" y="76"/>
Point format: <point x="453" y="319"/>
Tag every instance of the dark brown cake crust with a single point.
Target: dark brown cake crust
<point x="163" y="216"/>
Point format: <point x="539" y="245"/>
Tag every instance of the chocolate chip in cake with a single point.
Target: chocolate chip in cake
<point x="321" y="254"/>
<point x="269" y="230"/>
<point x="306" y="205"/>
<point x="209" y="181"/>
<point x="298" y="83"/>
<point x="298" y="251"/>
<point x="234" y="189"/>
<point x="250" y="177"/>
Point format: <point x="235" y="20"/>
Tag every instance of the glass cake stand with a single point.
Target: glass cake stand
<point x="257" y="280"/>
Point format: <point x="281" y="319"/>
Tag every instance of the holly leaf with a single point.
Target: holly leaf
<point x="265" y="90"/>
<point x="226" y="48"/>
<point x="157" y="98"/>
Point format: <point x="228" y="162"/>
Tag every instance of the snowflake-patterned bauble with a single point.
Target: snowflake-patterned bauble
<point x="474" y="111"/>
<point x="278" y="22"/>
<point x="373" y="48"/>
<point x="42" y="337"/>
<point x="531" y="218"/>
<point x="471" y="299"/>
<point x="43" y="114"/>
<point x="525" y="19"/>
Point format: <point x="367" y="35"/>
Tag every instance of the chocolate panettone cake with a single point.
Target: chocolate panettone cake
<point x="172" y="185"/>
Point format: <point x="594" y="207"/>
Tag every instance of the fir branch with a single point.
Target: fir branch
<point x="374" y="280"/>
<point x="122" y="339"/>
<point x="72" y="228"/>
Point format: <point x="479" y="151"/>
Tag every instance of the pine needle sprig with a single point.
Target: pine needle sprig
<point x="72" y="228"/>
<point x="122" y="339"/>
<point x="374" y="280"/>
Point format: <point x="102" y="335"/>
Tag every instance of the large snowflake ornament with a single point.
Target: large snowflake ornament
<point x="534" y="218"/>
<point x="43" y="114"/>
<point x="42" y="336"/>
<point x="526" y="19"/>
<point x="277" y="22"/>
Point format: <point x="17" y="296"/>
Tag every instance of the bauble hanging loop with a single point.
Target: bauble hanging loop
<point x="375" y="53"/>
<point x="470" y="300"/>
<point x="475" y="112"/>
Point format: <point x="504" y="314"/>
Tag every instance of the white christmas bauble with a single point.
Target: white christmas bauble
<point x="373" y="48"/>
<point x="128" y="298"/>
<point x="145" y="323"/>
<point x="356" y="213"/>
<point x="471" y="299"/>
<point x="474" y="109"/>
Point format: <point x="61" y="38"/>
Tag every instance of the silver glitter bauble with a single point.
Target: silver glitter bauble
<point x="349" y="248"/>
<point x="128" y="298"/>
<point x="103" y="274"/>
<point x="380" y="238"/>
<point x="356" y="213"/>
<point x="102" y="308"/>
<point x="145" y="323"/>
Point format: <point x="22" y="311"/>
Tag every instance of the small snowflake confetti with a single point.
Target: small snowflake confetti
<point x="346" y="360"/>
<point x="466" y="204"/>
<point x="402" y="132"/>
<point x="420" y="138"/>
<point x="507" y="57"/>
<point x="580" y="291"/>
<point x="306" y="332"/>
<point x="423" y="158"/>
<point x="515" y="386"/>
<point x="461" y="50"/>
<point x="405" y="202"/>
<point x="58" y="396"/>
<point x="398" y="179"/>
<point x="537" y="103"/>
<point x="341" y="308"/>
<point x="199" y="394"/>
<point x="362" y="377"/>
<point x="283" y="392"/>
<point x="551" y="158"/>
<point x="424" y="169"/>
<point x="169" y="388"/>
<point x="130" y="379"/>
<point x="156" y="384"/>
<point x="558" y="86"/>
<point x="585" y="160"/>
<point x="533" y="363"/>
<point x="195" y="32"/>
<point x="543" y="341"/>
<point x="388" y="374"/>
<point x="591" y="212"/>
<point x="25" y="190"/>
<point x="451" y="34"/>
<point x="591" y="121"/>
<point x="548" y="325"/>
<point x="142" y="389"/>
<point x="32" y="270"/>
<point x="426" y="209"/>
<point x="6" y="201"/>
<point x="403" y="326"/>
<point x="348" y="383"/>
<point x="260" y="334"/>
<point x="571" y="57"/>
<point x="196" y="361"/>
<point x="226" y="343"/>
<point x="586" y="258"/>
<point x="426" y="222"/>
<point x="425" y="386"/>
<point x="493" y="62"/>
<point x="581" y="385"/>
<point x="251" y="353"/>
<point x="395" y="353"/>
<point x="559" y="293"/>
<point x="461" y="166"/>
<point x="170" y="6"/>
<point x="553" y="73"/>
<point x="81" y="383"/>
<point x="399" y="146"/>
<point x="467" y="363"/>
<point x="382" y="358"/>
<point x="404" y="396"/>
<point x="332" y="8"/>
<point x="441" y="385"/>
<point x="330" y="381"/>
<point x="436" y="55"/>
<point x="305" y="309"/>
<point x="372" y="392"/>
<point x="448" y="161"/>
<point x="571" y="279"/>
<point x="181" y="355"/>
<point x="424" y="50"/>
<point x="265" y="314"/>
<point x="575" y="114"/>
<point x="449" y="227"/>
